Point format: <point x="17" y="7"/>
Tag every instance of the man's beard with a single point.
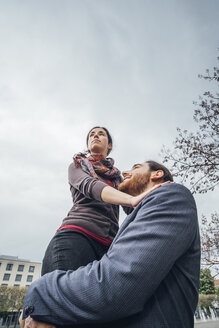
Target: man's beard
<point x="135" y="185"/>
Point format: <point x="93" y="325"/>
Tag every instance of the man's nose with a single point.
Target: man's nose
<point x="125" y="173"/>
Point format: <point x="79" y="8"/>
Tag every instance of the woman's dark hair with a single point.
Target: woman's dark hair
<point x="110" y="140"/>
<point x="154" y="166"/>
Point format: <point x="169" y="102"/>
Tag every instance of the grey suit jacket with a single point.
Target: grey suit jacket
<point x="148" y="278"/>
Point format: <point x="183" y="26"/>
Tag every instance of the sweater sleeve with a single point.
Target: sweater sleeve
<point x="89" y="186"/>
<point x="158" y="231"/>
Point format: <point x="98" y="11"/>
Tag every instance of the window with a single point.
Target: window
<point x="29" y="278"/>
<point x="18" y="277"/>
<point x="20" y="268"/>
<point x="9" y="266"/>
<point x="31" y="268"/>
<point x="4" y="284"/>
<point x="16" y="285"/>
<point x="6" y="276"/>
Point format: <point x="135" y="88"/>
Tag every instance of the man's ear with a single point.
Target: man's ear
<point x="156" y="175"/>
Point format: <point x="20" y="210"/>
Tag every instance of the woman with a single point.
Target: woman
<point x="92" y="223"/>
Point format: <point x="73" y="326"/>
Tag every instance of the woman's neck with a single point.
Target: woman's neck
<point x="98" y="155"/>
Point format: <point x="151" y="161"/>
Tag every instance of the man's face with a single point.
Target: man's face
<point x="136" y="180"/>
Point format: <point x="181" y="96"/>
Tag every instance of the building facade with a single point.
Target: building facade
<point x="18" y="272"/>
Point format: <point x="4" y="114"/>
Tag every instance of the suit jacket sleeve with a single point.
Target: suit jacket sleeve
<point x="159" y="230"/>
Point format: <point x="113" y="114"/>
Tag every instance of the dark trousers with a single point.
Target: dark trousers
<point x="69" y="249"/>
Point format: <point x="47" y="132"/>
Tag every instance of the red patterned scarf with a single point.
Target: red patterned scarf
<point x="97" y="165"/>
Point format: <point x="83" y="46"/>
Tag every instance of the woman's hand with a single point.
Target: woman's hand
<point x="30" y="323"/>
<point x="137" y="199"/>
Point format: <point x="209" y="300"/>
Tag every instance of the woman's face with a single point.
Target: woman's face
<point x="98" y="142"/>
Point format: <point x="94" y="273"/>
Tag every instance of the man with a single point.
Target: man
<point x="148" y="278"/>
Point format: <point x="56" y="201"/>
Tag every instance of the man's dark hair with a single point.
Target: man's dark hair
<point x="154" y="166"/>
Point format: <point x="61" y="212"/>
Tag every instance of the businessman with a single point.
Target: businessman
<point x="149" y="276"/>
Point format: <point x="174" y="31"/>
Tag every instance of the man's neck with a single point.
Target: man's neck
<point x="152" y="185"/>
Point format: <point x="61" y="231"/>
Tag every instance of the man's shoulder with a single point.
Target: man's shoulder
<point x="172" y="190"/>
<point x="175" y="187"/>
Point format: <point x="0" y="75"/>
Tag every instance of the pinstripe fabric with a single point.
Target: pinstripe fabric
<point x="148" y="278"/>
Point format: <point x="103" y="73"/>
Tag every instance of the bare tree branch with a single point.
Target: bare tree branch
<point x="194" y="160"/>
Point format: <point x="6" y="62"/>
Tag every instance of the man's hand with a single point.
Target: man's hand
<point x="30" y="323"/>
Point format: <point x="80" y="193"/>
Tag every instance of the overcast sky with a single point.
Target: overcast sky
<point x="68" y="65"/>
